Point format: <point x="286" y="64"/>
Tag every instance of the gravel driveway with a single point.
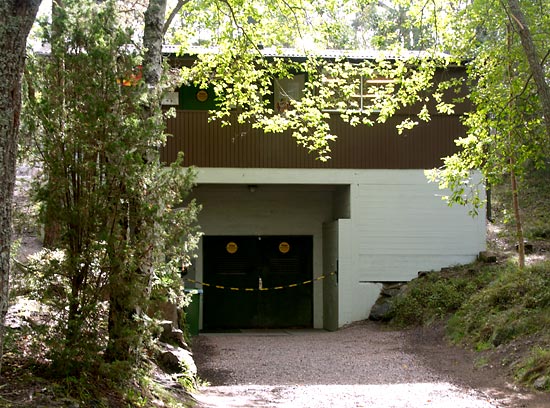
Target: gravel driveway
<point x="363" y="365"/>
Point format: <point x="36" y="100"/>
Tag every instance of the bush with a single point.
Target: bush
<point x="437" y="295"/>
<point x="516" y="303"/>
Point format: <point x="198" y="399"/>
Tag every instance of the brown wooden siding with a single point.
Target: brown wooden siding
<point x="208" y="144"/>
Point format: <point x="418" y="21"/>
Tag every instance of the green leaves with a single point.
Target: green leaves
<point x="123" y="225"/>
<point x="361" y="92"/>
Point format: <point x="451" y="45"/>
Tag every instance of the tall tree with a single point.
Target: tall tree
<point x="387" y="24"/>
<point x="16" y="20"/>
<point x="508" y="124"/>
<point x="536" y="64"/>
<point x="121" y="235"/>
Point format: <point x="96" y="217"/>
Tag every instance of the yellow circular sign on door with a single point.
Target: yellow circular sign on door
<point x="231" y="247"/>
<point x="202" y="95"/>
<point x="284" y="247"/>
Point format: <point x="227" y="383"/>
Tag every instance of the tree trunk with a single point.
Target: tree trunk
<point x="153" y="36"/>
<point x="517" y="216"/>
<point x="123" y="305"/>
<point x="52" y="227"/>
<point x="535" y="65"/>
<point x="16" y="19"/>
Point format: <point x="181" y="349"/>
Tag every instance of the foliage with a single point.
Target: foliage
<point x="331" y="87"/>
<point x="438" y="295"/>
<point x="537" y="366"/>
<point x="123" y="229"/>
<point x="493" y="306"/>
<point x="505" y="128"/>
<point x="383" y="25"/>
<point x="515" y="307"/>
<point x="244" y="55"/>
<point x="517" y="303"/>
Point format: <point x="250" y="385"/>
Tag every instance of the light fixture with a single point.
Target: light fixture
<point x="252" y="188"/>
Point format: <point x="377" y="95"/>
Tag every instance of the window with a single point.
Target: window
<point x="287" y="90"/>
<point x="358" y="93"/>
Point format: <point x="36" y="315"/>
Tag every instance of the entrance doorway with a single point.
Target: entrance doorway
<point x="251" y="263"/>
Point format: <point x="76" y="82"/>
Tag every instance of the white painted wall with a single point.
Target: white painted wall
<point x="404" y="227"/>
<point x="396" y="226"/>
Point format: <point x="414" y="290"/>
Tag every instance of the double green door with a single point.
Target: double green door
<point x="262" y="282"/>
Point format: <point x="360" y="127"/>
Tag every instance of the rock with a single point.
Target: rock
<point x="529" y="249"/>
<point x="382" y="309"/>
<point x="176" y="359"/>
<point x="172" y="335"/>
<point x="487" y="257"/>
<point x="25" y="313"/>
<point x="165" y="310"/>
<point x="542" y="383"/>
<point x="392" y="289"/>
<point x="423" y="274"/>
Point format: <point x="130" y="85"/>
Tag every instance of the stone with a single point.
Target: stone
<point x="423" y="274"/>
<point x="542" y="383"/>
<point x="392" y="289"/>
<point x="176" y="359"/>
<point x="167" y="311"/>
<point x="487" y="257"/>
<point x="382" y="309"/>
<point x="174" y="337"/>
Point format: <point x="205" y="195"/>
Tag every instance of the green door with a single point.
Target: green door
<point x="244" y="264"/>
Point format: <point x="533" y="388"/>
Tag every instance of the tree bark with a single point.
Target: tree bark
<point x="153" y="35"/>
<point x="517" y="216"/>
<point x="173" y="14"/>
<point x="123" y="304"/>
<point x="16" y="20"/>
<point x="535" y="65"/>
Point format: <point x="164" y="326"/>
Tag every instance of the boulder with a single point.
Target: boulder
<point x="542" y="383"/>
<point x="172" y="335"/>
<point x="487" y="257"/>
<point x="392" y="289"/>
<point x="176" y="359"/>
<point x="382" y="309"/>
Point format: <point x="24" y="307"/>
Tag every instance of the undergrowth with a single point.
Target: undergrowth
<point x="534" y="196"/>
<point x="487" y="307"/>
<point x="437" y="295"/>
<point x="515" y="307"/>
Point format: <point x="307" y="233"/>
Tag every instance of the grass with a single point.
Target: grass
<point x="437" y="295"/>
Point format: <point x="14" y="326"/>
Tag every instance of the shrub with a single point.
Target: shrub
<point x="437" y="295"/>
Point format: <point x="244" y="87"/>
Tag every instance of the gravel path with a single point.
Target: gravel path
<point x="363" y="365"/>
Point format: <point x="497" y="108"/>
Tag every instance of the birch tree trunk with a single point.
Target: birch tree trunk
<point x="16" y="19"/>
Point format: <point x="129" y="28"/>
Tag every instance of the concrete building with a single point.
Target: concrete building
<point x="296" y="242"/>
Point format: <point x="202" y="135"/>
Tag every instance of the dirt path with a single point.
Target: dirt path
<point x="363" y="365"/>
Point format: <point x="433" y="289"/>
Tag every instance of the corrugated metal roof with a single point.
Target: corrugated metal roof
<point x="368" y="54"/>
<point x="45" y="49"/>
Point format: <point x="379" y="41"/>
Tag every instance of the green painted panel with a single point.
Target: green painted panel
<point x="195" y="98"/>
